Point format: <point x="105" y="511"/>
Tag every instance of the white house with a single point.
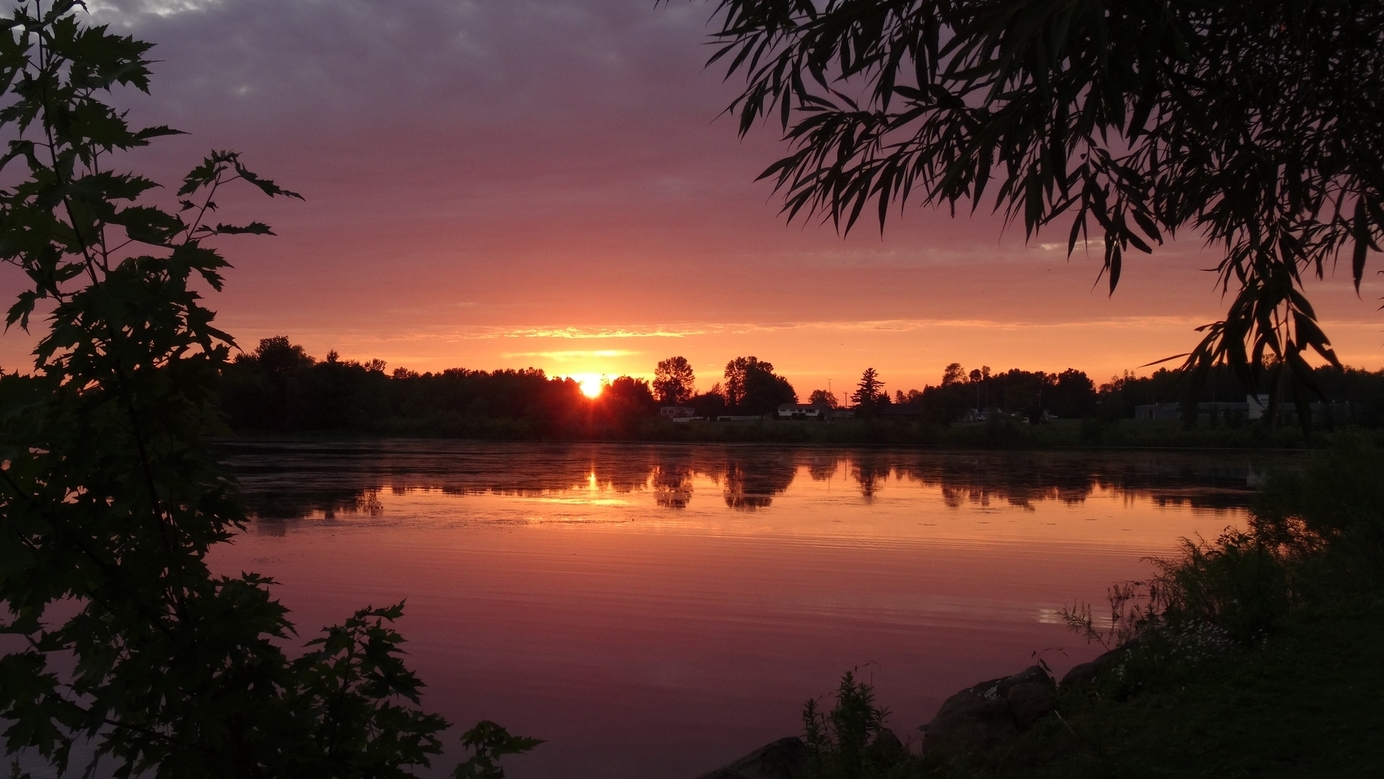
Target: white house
<point x="800" y="411"/>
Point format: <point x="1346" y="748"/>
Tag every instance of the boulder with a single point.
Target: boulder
<point x="965" y="732"/>
<point x="1081" y="675"/>
<point x="1084" y="673"/>
<point x="1030" y="700"/>
<point x="979" y="717"/>
<point x="782" y="759"/>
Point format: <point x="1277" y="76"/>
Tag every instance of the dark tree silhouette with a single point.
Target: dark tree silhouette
<point x="752" y="386"/>
<point x="1073" y="394"/>
<point x="113" y="493"/>
<point x="953" y="374"/>
<point x="870" y="392"/>
<point x="765" y="391"/>
<point x="629" y="397"/>
<point x="276" y="356"/>
<point x="909" y="398"/>
<point x="823" y="397"/>
<point x="674" y="382"/>
<point x="733" y="389"/>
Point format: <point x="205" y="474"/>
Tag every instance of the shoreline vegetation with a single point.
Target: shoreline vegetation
<point x="1062" y="435"/>
<point x="1253" y="655"/>
<point x="126" y="655"/>
<point x="112" y="493"/>
<point x="278" y="390"/>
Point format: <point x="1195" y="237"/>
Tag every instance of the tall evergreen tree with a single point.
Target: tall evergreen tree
<point x="869" y="392"/>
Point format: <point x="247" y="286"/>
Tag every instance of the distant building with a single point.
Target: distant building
<point x="1205" y="408"/>
<point x="1256" y="405"/>
<point x="841" y="413"/>
<point x="677" y="412"/>
<point x="1158" y="411"/>
<point x="1253" y="409"/>
<point x="802" y="411"/>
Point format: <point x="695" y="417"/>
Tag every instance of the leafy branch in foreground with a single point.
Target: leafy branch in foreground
<point x="1254" y="125"/>
<point x="490" y="742"/>
<point x="110" y="494"/>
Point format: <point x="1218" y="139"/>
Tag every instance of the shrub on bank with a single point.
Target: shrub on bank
<point x="1255" y="654"/>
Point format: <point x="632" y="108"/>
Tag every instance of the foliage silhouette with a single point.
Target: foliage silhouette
<point x="674" y="382"/>
<point x="752" y="387"/>
<point x="262" y="394"/>
<point x="850" y="741"/>
<point x="869" y="392"/>
<point x="110" y="493"/>
<point x="1253" y="125"/>
<point x="1252" y="655"/>
<point x="821" y="397"/>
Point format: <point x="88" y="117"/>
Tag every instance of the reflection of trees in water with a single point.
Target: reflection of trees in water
<point x="624" y="474"/>
<point x="870" y="471"/>
<point x="368" y="503"/>
<point x="1017" y="480"/>
<point x="752" y="482"/>
<point x="822" y="467"/>
<point x="289" y="481"/>
<point x="294" y="480"/>
<point x="1199" y="481"/>
<point x="299" y="504"/>
<point x="672" y="484"/>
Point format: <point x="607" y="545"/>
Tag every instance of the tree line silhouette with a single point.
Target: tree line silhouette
<point x="279" y="388"/>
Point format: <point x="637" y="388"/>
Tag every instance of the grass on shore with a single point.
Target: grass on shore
<point x="1088" y="434"/>
<point x="1257" y="655"/>
<point x="1306" y="702"/>
<point x="997" y="434"/>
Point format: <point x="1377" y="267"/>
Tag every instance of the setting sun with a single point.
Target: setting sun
<point x="591" y="387"/>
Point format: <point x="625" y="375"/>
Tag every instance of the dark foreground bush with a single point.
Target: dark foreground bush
<point x="1253" y="655"/>
<point x="120" y="638"/>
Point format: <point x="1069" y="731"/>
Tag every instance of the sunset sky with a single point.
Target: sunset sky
<point x="512" y="183"/>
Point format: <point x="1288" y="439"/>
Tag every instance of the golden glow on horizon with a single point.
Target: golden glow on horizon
<point x="591" y="387"/>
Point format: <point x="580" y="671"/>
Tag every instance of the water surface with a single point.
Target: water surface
<point x="656" y="611"/>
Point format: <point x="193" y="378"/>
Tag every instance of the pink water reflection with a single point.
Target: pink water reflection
<point x="656" y="612"/>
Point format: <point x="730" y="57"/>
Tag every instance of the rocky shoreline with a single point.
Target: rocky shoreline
<point x="975" y="719"/>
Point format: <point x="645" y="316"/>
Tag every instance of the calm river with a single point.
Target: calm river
<point x="653" y="612"/>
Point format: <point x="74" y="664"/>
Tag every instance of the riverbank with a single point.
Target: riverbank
<point x="1305" y="702"/>
<point x="999" y="434"/>
<point x="1254" y="655"/>
<point x="1127" y="434"/>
